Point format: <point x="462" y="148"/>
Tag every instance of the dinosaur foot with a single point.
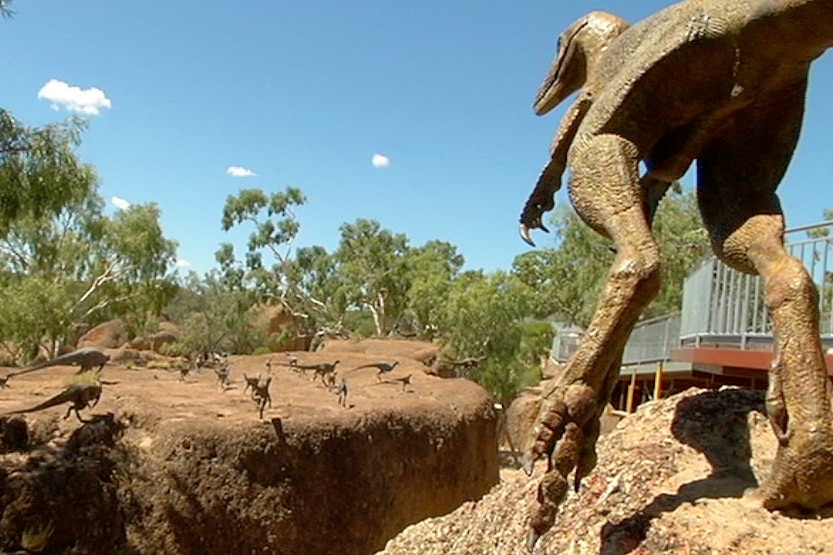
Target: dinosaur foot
<point x="567" y="434"/>
<point x="801" y="476"/>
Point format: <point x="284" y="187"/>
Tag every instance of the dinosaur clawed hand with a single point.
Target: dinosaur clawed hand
<point x="531" y="217"/>
<point x="567" y="434"/>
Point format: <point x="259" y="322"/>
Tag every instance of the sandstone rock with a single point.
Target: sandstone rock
<point x="108" y="335"/>
<point x="273" y="319"/>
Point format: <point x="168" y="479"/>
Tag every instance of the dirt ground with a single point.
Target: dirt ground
<point x="670" y="480"/>
<point x="197" y="471"/>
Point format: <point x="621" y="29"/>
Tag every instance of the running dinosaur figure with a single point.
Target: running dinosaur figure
<point x="382" y="367"/>
<point x="322" y="369"/>
<point x="721" y="82"/>
<point x="223" y="376"/>
<point x="342" y="390"/>
<point x="86" y="358"/>
<point x="251" y="383"/>
<point x="81" y="395"/>
<point x="260" y="395"/>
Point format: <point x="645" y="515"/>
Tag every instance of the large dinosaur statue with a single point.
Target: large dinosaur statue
<point x="721" y="82"/>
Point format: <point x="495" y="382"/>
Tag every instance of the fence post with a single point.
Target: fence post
<point x="658" y="382"/>
<point x="631" y="387"/>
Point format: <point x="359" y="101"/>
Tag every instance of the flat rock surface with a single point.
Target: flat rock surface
<point x="159" y="390"/>
<point x="197" y="471"/>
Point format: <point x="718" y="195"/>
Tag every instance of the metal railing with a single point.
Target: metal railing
<point x="565" y="342"/>
<point x="652" y="340"/>
<point x="724" y="307"/>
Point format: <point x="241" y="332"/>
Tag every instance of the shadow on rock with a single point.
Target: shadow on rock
<point x="61" y="498"/>
<point x="716" y="424"/>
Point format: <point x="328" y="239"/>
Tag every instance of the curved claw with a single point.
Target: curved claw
<point x="524" y="231"/>
<point x="531" y="539"/>
<point x="528" y="462"/>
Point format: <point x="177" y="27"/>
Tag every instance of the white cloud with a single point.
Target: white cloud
<point x="380" y="161"/>
<point x="240" y="171"/>
<point x="181" y="263"/>
<point x="120" y="203"/>
<point x="74" y="99"/>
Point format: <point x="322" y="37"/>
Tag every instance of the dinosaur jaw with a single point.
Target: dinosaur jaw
<point x="552" y="93"/>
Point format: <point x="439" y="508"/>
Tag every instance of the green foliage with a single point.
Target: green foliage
<point x="39" y="169"/>
<point x="432" y="269"/>
<point x="305" y="284"/>
<point x="175" y="349"/>
<point x="683" y="243"/>
<point x="213" y="317"/>
<point x="61" y="258"/>
<point x="359" y="323"/>
<point x="262" y="350"/>
<point x="536" y="341"/>
<point x="482" y="317"/>
<point x="373" y="271"/>
<point x="565" y="281"/>
<point x="827" y="215"/>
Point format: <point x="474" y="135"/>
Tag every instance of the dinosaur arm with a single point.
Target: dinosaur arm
<point x="541" y="200"/>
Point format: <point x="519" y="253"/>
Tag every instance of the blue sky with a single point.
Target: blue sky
<point x="306" y="92"/>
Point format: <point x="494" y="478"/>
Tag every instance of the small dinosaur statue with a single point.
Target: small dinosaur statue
<point x="322" y="369"/>
<point x="223" y="375"/>
<point x="260" y="394"/>
<point x="382" y="367"/>
<point x="185" y="369"/>
<point x="721" y="82"/>
<point x="81" y="395"/>
<point x="406" y="381"/>
<point x="342" y="390"/>
<point x="86" y="358"/>
<point x="251" y="383"/>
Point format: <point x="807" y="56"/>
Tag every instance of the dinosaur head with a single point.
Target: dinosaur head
<point x="579" y="47"/>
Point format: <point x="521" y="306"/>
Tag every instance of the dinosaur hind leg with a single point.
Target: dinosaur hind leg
<point x="798" y="397"/>
<point x="747" y="227"/>
<point x="606" y="194"/>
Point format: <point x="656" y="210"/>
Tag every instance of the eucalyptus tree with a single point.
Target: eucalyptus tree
<point x="302" y="280"/>
<point x="374" y="271"/>
<point x="567" y="278"/>
<point x="82" y="266"/>
<point x="40" y="172"/>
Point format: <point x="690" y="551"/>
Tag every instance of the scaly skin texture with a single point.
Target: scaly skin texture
<point x="721" y="82"/>
<point x="579" y="48"/>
